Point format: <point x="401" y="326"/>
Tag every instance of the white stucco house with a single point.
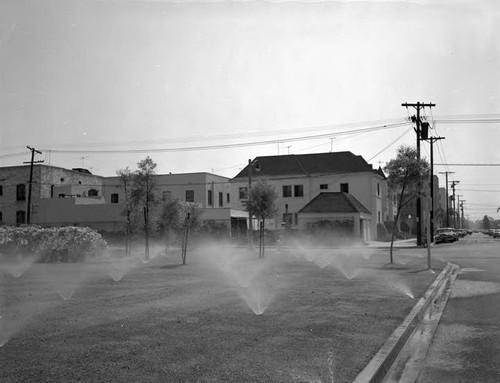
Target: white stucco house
<point x="299" y="179"/>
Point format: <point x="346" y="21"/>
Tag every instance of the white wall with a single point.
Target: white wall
<point x="363" y="186"/>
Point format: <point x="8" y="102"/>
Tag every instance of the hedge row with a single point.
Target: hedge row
<point x="51" y="244"/>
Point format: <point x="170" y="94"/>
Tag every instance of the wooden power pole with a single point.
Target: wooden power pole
<point x="418" y="106"/>
<point x="32" y="162"/>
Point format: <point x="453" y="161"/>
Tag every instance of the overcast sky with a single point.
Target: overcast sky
<point x="148" y="75"/>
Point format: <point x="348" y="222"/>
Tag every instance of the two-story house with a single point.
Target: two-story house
<point x="298" y="179"/>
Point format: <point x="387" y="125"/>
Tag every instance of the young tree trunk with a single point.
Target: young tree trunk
<point x="262" y="239"/>
<point x="167" y="240"/>
<point x="127" y="236"/>
<point x="185" y="239"/>
<point x="146" y="234"/>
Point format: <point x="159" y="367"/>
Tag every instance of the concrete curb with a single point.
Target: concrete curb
<point x="378" y="367"/>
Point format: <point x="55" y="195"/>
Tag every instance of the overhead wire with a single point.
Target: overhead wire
<point x="225" y="146"/>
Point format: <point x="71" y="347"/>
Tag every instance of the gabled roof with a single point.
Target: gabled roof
<point x="307" y="164"/>
<point x="334" y="202"/>
<point x="380" y="172"/>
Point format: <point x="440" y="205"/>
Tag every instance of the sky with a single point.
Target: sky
<point x="203" y="86"/>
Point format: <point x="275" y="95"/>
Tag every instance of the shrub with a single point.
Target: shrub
<point x="57" y="244"/>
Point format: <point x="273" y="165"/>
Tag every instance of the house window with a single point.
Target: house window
<point x="93" y="193"/>
<point x="114" y="198"/>
<point x="296" y="218"/>
<point x="20" y="217"/>
<point x="298" y="190"/>
<point x="378" y="214"/>
<point x="210" y="202"/>
<point x="378" y="189"/>
<point x="243" y="192"/>
<point x="189" y="195"/>
<point x="1" y="216"/>
<point x="287" y="190"/>
<point x="344" y="188"/>
<point x="166" y="195"/>
<point x="221" y="199"/>
<point x="323" y="186"/>
<point x="228" y="198"/>
<point x="21" y="192"/>
<point x="1" y="190"/>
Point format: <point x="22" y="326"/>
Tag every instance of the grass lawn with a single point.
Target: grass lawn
<point x="298" y="315"/>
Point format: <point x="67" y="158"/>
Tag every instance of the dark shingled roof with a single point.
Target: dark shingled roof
<point x="334" y="202"/>
<point x="308" y="164"/>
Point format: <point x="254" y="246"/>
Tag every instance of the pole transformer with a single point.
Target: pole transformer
<point x="418" y="106"/>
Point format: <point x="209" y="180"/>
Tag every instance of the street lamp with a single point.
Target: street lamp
<point x="409" y="223"/>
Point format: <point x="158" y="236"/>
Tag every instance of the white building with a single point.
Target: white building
<point x="298" y="179"/>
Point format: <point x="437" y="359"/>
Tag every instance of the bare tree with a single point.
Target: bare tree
<point x="404" y="173"/>
<point x="189" y="215"/>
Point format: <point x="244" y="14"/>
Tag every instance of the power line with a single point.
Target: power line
<point x="469" y="164"/>
<point x="232" y="145"/>
<point x="390" y="144"/>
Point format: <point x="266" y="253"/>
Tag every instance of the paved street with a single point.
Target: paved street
<point x="466" y="346"/>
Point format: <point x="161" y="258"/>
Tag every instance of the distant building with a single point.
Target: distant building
<point x="50" y="183"/>
<point x="76" y="197"/>
<point x="209" y="192"/>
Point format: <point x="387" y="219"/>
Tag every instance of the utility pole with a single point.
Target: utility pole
<point x="32" y="162"/>
<point x="458" y="211"/>
<point x="453" y="185"/>
<point x="418" y="106"/>
<point x="431" y="229"/>
<point x="447" y="197"/>
<point x="462" y="208"/>
<point x="249" y="233"/>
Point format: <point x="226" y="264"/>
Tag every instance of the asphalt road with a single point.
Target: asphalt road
<point x="466" y="346"/>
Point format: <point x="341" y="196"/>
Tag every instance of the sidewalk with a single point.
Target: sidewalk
<point x="405" y="243"/>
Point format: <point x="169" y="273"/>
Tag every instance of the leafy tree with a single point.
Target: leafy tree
<point x="486" y="223"/>
<point x="261" y="203"/>
<point x="126" y="180"/>
<point x="169" y="220"/>
<point x="404" y="173"/>
<point x="143" y="195"/>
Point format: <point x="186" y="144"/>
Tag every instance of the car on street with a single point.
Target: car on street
<point x="445" y="234"/>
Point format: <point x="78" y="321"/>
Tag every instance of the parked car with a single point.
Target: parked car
<point x="496" y="233"/>
<point x="445" y="234"/>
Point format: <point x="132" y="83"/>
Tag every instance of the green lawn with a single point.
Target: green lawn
<point x="122" y="320"/>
